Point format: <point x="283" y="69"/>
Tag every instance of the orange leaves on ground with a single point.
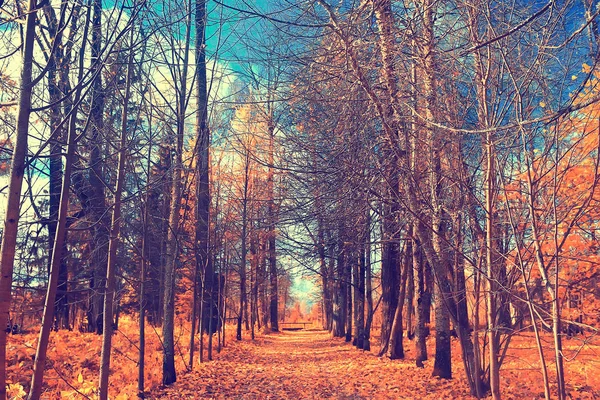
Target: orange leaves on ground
<point x="289" y="365"/>
<point x="73" y="362"/>
<point x="311" y="365"/>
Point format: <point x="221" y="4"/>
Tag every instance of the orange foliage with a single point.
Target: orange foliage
<point x="561" y="183"/>
<point x="73" y="361"/>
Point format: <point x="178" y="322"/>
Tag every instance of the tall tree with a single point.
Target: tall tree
<point x="17" y="170"/>
<point x="115" y="228"/>
<point x="97" y="196"/>
<point x="203" y="256"/>
<point x="58" y="253"/>
<point x="173" y="245"/>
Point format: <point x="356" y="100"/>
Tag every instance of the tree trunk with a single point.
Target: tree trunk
<point x="423" y="304"/>
<point x="195" y="283"/>
<point x="244" y="249"/>
<point x="339" y="297"/>
<point x="115" y="230"/>
<point x="274" y="293"/>
<point x="442" y="366"/>
<point x="172" y="256"/>
<point x="359" y="298"/>
<point x="100" y="235"/>
<point x="17" y="170"/>
<point x="396" y="347"/>
<point x="389" y="269"/>
<point x="410" y="294"/>
<point x="59" y="240"/>
<point x="202" y="173"/>
<point x="253" y="284"/>
<point x="349" y="288"/>
<point x="325" y="279"/>
<point x="203" y="257"/>
<point x="61" y="312"/>
<point x="263" y="290"/>
<point x="491" y="279"/>
<point x="368" y="282"/>
<point x="143" y="267"/>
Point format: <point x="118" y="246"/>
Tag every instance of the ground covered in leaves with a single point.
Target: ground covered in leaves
<point x="297" y="365"/>
<point x="305" y="365"/>
<point x="312" y="365"/>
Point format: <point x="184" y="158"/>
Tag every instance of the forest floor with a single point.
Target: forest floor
<point x="312" y="365"/>
<point x="306" y="365"/>
<point x="296" y="365"/>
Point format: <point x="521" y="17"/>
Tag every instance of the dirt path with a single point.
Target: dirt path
<point x="308" y="365"/>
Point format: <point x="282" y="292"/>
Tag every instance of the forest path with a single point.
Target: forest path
<point x="307" y="365"/>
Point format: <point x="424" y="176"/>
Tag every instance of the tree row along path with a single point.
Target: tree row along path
<point x="308" y="365"/>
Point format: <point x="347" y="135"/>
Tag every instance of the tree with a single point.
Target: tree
<point x="11" y="219"/>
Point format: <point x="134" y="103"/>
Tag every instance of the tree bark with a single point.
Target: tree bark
<point x="100" y="235"/>
<point x="172" y="256"/>
<point x="442" y="366"/>
<point x="423" y="304"/>
<point x="202" y="236"/>
<point x="396" y="346"/>
<point x="349" y="288"/>
<point x="55" y="64"/>
<point x="115" y="230"/>
<point x="274" y="292"/>
<point x="359" y="297"/>
<point x="390" y="284"/>
<point x="368" y="282"/>
<point x="244" y="250"/>
<point x="17" y="170"/>
<point x="59" y="240"/>
<point x="143" y="268"/>
<point x="339" y="297"/>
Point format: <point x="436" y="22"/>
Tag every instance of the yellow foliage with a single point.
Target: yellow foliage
<point x="586" y="68"/>
<point x="16" y="392"/>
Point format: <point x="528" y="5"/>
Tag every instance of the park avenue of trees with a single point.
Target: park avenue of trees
<point x="417" y="178"/>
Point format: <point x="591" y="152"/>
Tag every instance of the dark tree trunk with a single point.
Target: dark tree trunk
<point x="169" y="375"/>
<point x="348" y="279"/>
<point x="143" y="274"/>
<point x="274" y="291"/>
<point x="202" y="237"/>
<point x="243" y="300"/>
<point x="389" y="274"/>
<point x="100" y="234"/>
<point x="339" y="297"/>
<point x="410" y="294"/>
<point x="359" y="299"/>
<point x="61" y="305"/>
<point x="423" y="304"/>
<point x="396" y="345"/>
<point x="253" y="284"/>
<point x="325" y="279"/>
<point x="262" y="287"/>
<point x="442" y="366"/>
<point x="368" y="283"/>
